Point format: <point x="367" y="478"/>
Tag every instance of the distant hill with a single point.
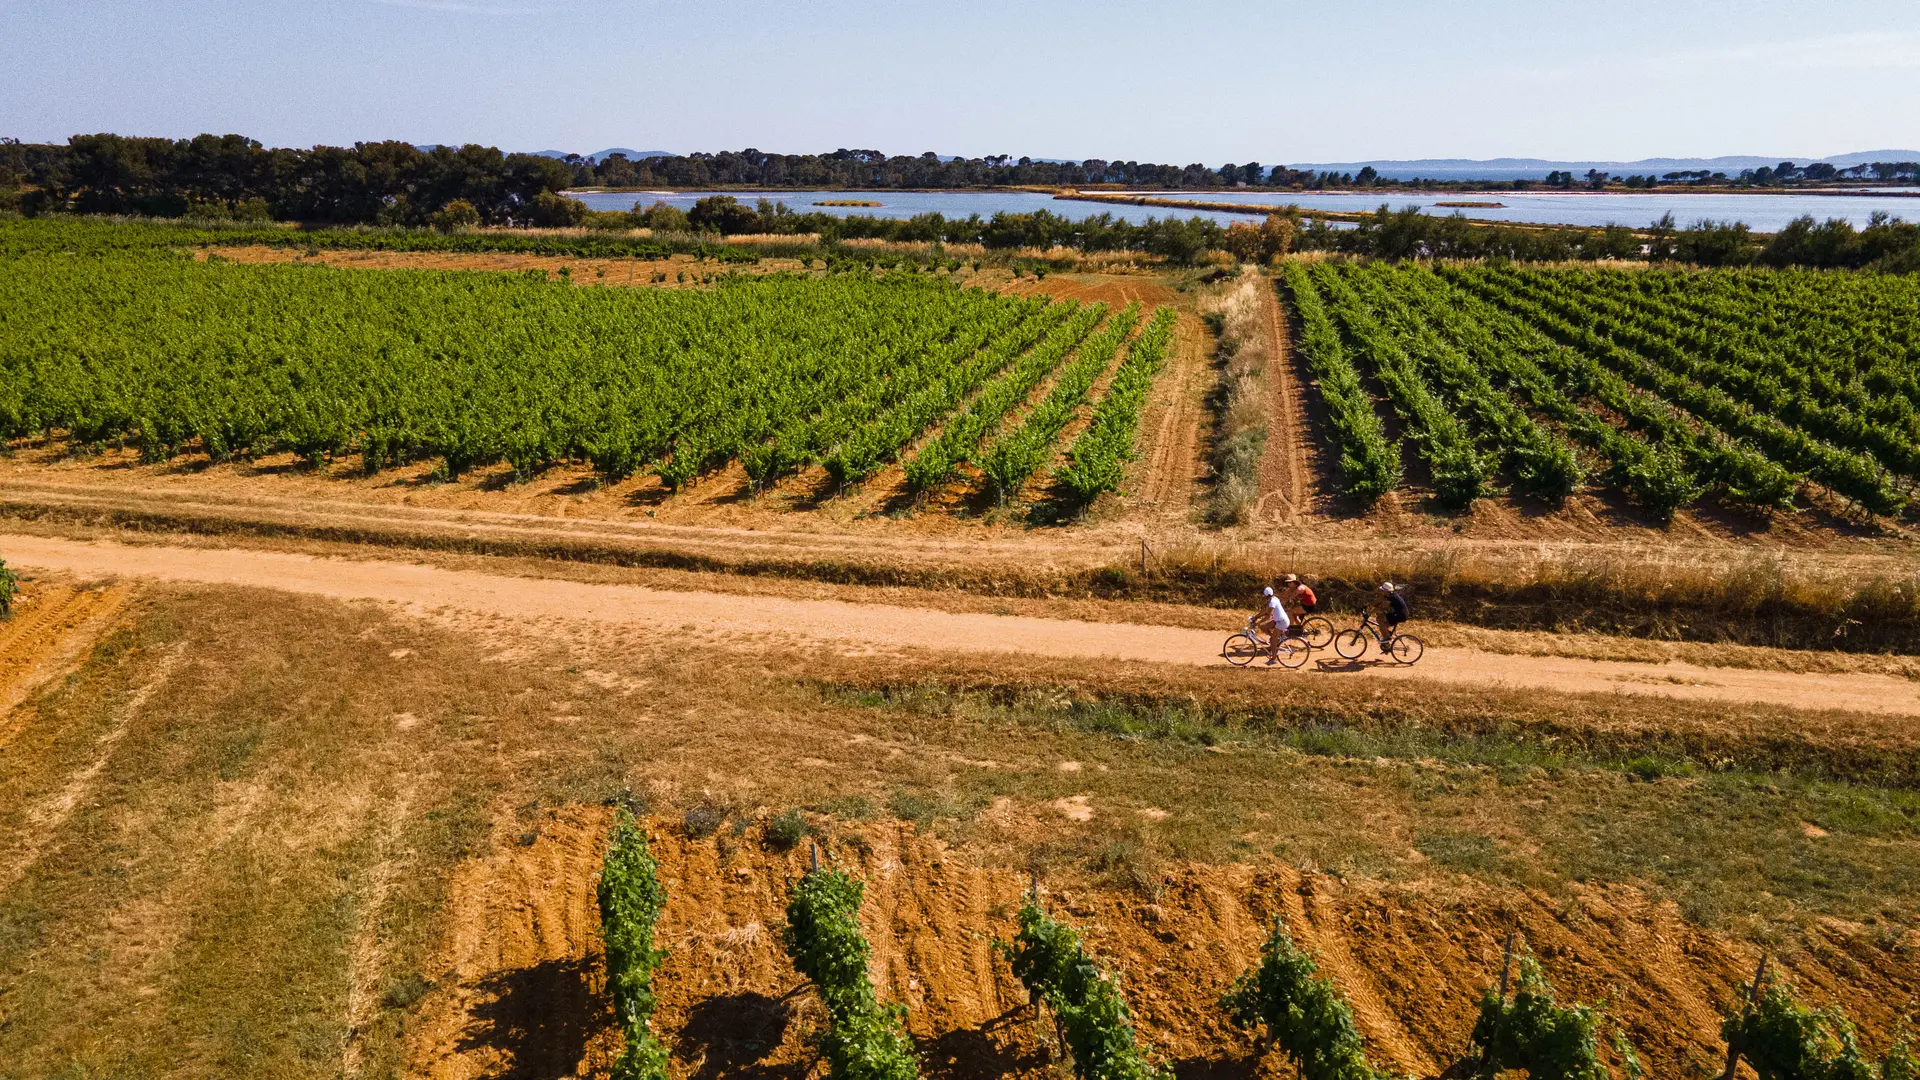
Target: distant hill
<point x="597" y="158"/>
<point x="1538" y="168"/>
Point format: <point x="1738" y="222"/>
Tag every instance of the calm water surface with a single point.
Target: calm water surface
<point x="1763" y="213"/>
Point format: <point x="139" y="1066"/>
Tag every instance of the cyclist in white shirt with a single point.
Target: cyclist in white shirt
<point x="1274" y="623"/>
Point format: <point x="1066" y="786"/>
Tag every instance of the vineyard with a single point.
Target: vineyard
<point x="1281" y="1002"/>
<point x="848" y="371"/>
<point x="1762" y="388"/>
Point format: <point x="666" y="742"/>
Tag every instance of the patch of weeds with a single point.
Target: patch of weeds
<point x="1130" y="864"/>
<point x="917" y="807"/>
<point x="702" y="821"/>
<point x="786" y="830"/>
<point x="233" y="755"/>
<point x="406" y="991"/>
<point x="1470" y="853"/>
<point x="1648" y="767"/>
<point x="847" y="808"/>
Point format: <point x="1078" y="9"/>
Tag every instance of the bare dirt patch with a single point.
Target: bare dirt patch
<point x="682" y="271"/>
<point x="1173" y="466"/>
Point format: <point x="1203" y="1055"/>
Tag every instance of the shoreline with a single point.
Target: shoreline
<point x="1047" y="189"/>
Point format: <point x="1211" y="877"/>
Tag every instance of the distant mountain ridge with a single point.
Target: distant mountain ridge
<point x="1537" y="168"/>
<point x="597" y="158"/>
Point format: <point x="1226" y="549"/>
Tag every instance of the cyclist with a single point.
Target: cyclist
<point x="1392" y="608"/>
<point x="1274" y="623"/>
<point x="1294" y="590"/>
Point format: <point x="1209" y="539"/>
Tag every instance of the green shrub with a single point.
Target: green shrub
<point x="786" y="830"/>
<point x="1301" y="1011"/>
<point x="865" y="1040"/>
<point x="1535" y="1033"/>
<point x="1784" y="1040"/>
<point x="631" y="898"/>
<point x="9" y="588"/>
<point x="1086" y="1001"/>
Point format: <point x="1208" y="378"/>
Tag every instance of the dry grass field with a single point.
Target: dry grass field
<point x="255" y="833"/>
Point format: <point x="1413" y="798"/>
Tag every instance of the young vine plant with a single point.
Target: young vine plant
<point x="1785" y="1040"/>
<point x="631" y="899"/>
<point x="1093" y="1017"/>
<point x="866" y="1040"/>
<point x="1300" y="1010"/>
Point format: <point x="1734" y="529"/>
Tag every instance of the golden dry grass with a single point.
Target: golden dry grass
<point x="276" y="828"/>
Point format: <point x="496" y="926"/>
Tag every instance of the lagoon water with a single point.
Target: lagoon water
<point x="1763" y="213"/>
<point x="904" y="204"/>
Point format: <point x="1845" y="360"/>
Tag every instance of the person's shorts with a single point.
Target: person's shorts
<point x="1310" y="608"/>
<point x="1392" y="622"/>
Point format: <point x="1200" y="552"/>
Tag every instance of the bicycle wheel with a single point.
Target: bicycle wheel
<point x="1318" y="630"/>
<point x="1407" y="649"/>
<point x="1240" y="650"/>
<point x="1294" y="652"/>
<point x="1350" y="643"/>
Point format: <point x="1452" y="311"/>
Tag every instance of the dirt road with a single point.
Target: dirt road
<point x="868" y="626"/>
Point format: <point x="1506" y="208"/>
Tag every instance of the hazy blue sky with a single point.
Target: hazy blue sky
<point x="1165" y="81"/>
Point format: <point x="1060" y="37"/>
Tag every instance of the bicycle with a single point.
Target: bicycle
<point x="1241" y="649"/>
<point x="1351" y="643"/>
<point x="1316" y="629"/>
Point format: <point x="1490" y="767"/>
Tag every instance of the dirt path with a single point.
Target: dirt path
<point x="865" y="627"/>
<point x="1286" y="469"/>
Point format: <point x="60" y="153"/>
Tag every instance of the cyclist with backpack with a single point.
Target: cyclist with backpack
<point x="1392" y="608"/>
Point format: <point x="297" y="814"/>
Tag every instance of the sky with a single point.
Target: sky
<point x="1211" y="81"/>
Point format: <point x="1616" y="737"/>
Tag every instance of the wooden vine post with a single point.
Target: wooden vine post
<point x="1753" y="995"/>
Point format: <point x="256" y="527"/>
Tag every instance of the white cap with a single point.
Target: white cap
<point x="1268" y="590"/>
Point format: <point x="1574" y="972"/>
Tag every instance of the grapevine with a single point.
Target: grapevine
<point x="1019" y="453"/>
<point x="631" y="899"/>
<point x="1300" y="1010"/>
<point x="1103" y="449"/>
<point x="1369" y="463"/>
<point x="1050" y="961"/>
<point x="866" y="1040"/>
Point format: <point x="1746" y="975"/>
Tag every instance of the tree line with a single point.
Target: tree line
<point x="231" y="176"/>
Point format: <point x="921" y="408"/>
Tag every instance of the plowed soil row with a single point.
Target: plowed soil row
<point x="1288" y="476"/>
<point x="870" y="627"/>
<point x="523" y="990"/>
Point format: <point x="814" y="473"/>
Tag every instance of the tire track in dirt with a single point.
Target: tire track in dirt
<point x="867" y="627"/>
<point x="50" y="627"/>
<point x="44" y="820"/>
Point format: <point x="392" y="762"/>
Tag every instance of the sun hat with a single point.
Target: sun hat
<point x="1386" y="586"/>
<point x="1289" y="578"/>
